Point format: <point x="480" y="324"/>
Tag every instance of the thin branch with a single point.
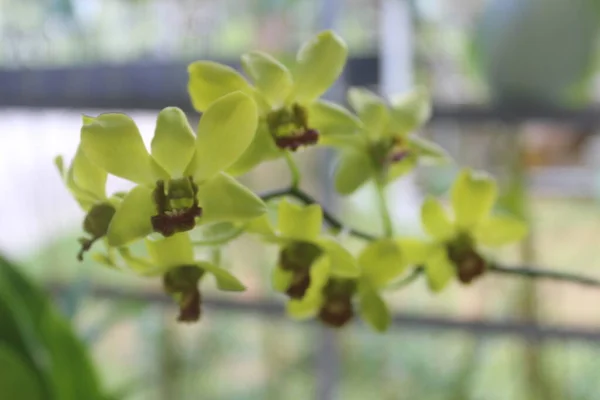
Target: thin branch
<point x="544" y="274"/>
<point x="329" y="218"/>
<point x="527" y="272"/>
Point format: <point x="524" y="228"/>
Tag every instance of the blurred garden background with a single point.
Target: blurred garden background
<point x="515" y="90"/>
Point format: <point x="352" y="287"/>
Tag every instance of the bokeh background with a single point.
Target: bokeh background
<point x="515" y="90"/>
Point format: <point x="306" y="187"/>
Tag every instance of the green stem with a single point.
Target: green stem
<point x="388" y="229"/>
<point x="294" y="171"/>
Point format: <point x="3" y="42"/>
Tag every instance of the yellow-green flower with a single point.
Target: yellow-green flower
<point x="298" y="233"/>
<point x="455" y="247"/>
<point x="291" y="114"/>
<point x="385" y="147"/>
<point x="331" y="297"/>
<point x="180" y="183"/>
<point x="173" y="259"/>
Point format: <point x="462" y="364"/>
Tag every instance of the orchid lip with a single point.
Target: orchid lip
<point x="171" y="220"/>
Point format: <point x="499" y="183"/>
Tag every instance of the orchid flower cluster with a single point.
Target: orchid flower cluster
<point x="185" y="187"/>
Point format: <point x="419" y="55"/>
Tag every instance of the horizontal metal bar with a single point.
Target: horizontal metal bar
<point x="481" y="328"/>
<point x="155" y="85"/>
<point x="147" y="85"/>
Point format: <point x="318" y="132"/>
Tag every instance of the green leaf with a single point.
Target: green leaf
<point x="44" y="340"/>
<point x="173" y="142"/>
<point x="132" y="220"/>
<point x="435" y="220"/>
<point x="439" y="270"/>
<point x="270" y="76"/>
<point x="410" y="110"/>
<point x="331" y="119"/>
<point x="208" y="81"/>
<point x="352" y="170"/>
<point x="18" y="380"/>
<point x="473" y="195"/>
<point x="428" y="152"/>
<point x="170" y="252"/>
<point x="113" y="143"/>
<point x="373" y="309"/>
<point x="499" y="230"/>
<point x="225" y="131"/>
<point x="261" y="149"/>
<point x="415" y="251"/>
<point x="372" y="111"/>
<point x="222" y="198"/>
<point x="319" y="63"/>
<point x="281" y="279"/>
<point x="299" y="222"/>
<point x="225" y="280"/>
<point x="382" y="261"/>
<point x="342" y="263"/>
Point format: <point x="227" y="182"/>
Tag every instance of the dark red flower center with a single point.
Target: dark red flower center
<point x="290" y="129"/>
<point x="176" y="205"/>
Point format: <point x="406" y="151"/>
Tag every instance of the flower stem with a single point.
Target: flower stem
<point x="294" y="171"/>
<point x="388" y="229"/>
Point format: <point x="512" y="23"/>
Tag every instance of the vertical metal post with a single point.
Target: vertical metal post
<point x="327" y="368"/>
<point x="396" y="50"/>
<point x="396" y="43"/>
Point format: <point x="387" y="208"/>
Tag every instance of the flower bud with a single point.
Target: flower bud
<point x="96" y="223"/>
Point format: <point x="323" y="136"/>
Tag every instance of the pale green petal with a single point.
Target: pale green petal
<point x="281" y="279"/>
<point x="304" y="308"/>
<point x="372" y="111"/>
<point x="222" y="198"/>
<point x="332" y="119"/>
<point x="352" y="170"/>
<point x="270" y="77"/>
<point x="319" y="63"/>
<point x="261" y="149"/>
<point x="132" y="220"/>
<point x="113" y="143"/>
<point x="141" y="266"/>
<point x="342" y="263"/>
<point x="312" y="301"/>
<point x="225" y="131"/>
<point x="402" y="167"/>
<point x="410" y="110"/>
<point x="439" y="270"/>
<point x="225" y="280"/>
<point x="299" y="222"/>
<point x="171" y="252"/>
<point x="88" y="177"/>
<point x="416" y="251"/>
<point x="473" y="195"/>
<point x="499" y="230"/>
<point x="435" y="220"/>
<point x="263" y="227"/>
<point x="429" y="153"/>
<point x="174" y="143"/>
<point x="382" y="261"/>
<point x="373" y="309"/>
<point x="208" y="81"/>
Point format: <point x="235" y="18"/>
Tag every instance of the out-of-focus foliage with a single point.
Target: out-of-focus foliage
<point x="40" y="355"/>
